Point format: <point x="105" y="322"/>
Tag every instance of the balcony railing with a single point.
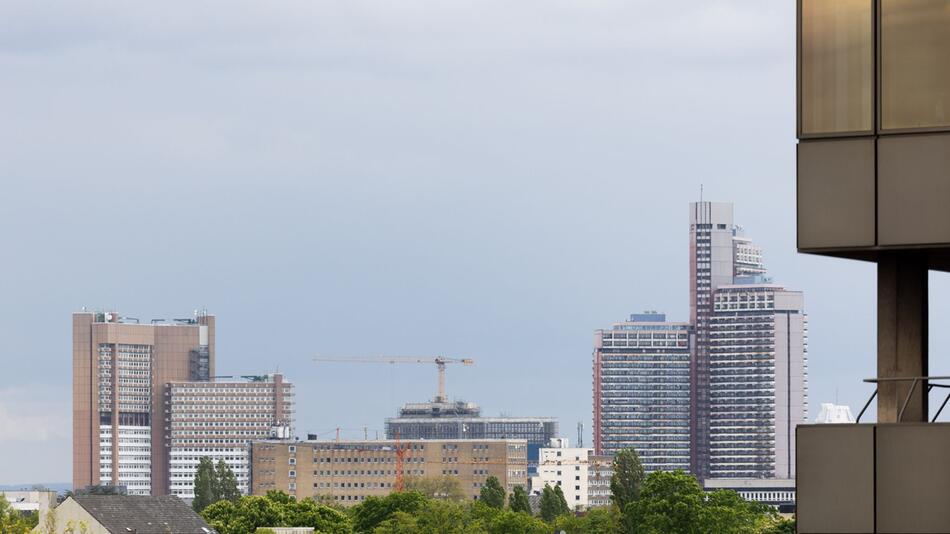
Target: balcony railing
<point x="914" y="380"/>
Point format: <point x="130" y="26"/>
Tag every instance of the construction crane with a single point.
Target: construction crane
<point x="400" y="463"/>
<point x="439" y="361"/>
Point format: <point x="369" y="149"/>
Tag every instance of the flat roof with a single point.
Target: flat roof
<point x="750" y="483"/>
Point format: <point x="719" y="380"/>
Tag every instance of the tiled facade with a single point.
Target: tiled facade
<point x="119" y="369"/>
<point x="219" y="420"/>
<point x="347" y="472"/>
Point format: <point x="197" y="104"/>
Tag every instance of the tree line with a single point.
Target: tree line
<point x="658" y="503"/>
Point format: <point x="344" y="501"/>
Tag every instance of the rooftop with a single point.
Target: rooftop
<point x="143" y="515"/>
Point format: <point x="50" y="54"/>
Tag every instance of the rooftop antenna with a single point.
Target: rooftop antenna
<point x="700" y="193"/>
<point x="580" y="434"/>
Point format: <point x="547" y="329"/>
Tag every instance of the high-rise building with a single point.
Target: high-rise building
<point x="463" y="420"/>
<point x="219" y="420"/>
<point x="346" y="472"/>
<point x="642" y="390"/>
<point x="758" y="380"/>
<point x="712" y="253"/>
<point x="119" y="371"/>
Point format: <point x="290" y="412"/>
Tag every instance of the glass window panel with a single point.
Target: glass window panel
<point x="915" y="63"/>
<point x="836" y="66"/>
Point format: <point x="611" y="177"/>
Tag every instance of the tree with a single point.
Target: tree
<point x="204" y="485"/>
<point x="508" y="522"/>
<point x="668" y="502"/>
<point x="374" y="510"/>
<point x="551" y="506"/>
<point x="518" y="501"/>
<point x="276" y="509"/>
<point x="627" y="478"/>
<point x="562" y="507"/>
<point x="12" y="521"/>
<point x="492" y="493"/>
<point x="213" y="484"/>
<point x="442" y="487"/>
<point x="225" y="483"/>
<point x="780" y="526"/>
<point x="604" y="520"/>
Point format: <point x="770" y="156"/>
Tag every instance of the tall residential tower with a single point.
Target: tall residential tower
<point x="642" y="390"/>
<point x="119" y="371"/>
<point x="758" y="380"/>
<point x="711" y="264"/>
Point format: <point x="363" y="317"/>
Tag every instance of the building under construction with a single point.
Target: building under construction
<point x="346" y="472"/>
<point x="463" y="420"/>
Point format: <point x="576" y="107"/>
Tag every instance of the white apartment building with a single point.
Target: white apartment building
<point x="220" y="420"/>
<point x="758" y="380"/>
<point x="567" y="467"/>
<point x="642" y="390"/>
<point x="131" y="365"/>
<point x="600" y="469"/>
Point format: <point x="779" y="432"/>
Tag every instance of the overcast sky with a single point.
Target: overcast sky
<point x="488" y="179"/>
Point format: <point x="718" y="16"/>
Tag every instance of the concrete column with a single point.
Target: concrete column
<point x="902" y="319"/>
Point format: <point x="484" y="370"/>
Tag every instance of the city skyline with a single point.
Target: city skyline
<point x="286" y="197"/>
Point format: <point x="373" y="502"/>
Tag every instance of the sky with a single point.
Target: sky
<point x="492" y="180"/>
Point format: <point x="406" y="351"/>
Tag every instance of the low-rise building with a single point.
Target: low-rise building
<point x="29" y="501"/>
<point x="464" y="420"/>
<point x="220" y="420"/>
<point x="347" y="472"/>
<point x="122" y="514"/>
<point x="600" y="469"/>
<point x="773" y="491"/>
<point x="567" y="467"/>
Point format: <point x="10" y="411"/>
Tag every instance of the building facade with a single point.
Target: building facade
<point x="346" y="472"/>
<point x="119" y="371"/>
<point x="567" y="467"/>
<point x="774" y="491"/>
<point x="600" y="469"/>
<point x="758" y="380"/>
<point x="642" y="390"/>
<point x="711" y="264"/>
<point x="463" y="420"/>
<point x="220" y="420"/>
<point x="830" y="414"/>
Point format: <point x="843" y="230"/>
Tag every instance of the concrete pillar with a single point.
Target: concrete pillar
<point x="902" y="278"/>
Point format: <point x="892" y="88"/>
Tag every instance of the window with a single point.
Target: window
<point x="915" y="81"/>
<point x="836" y="55"/>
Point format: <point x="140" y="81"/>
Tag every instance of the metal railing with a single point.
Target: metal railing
<point x="915" y="380"/>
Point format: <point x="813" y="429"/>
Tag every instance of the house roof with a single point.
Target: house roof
<point x="122" y="514"/>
